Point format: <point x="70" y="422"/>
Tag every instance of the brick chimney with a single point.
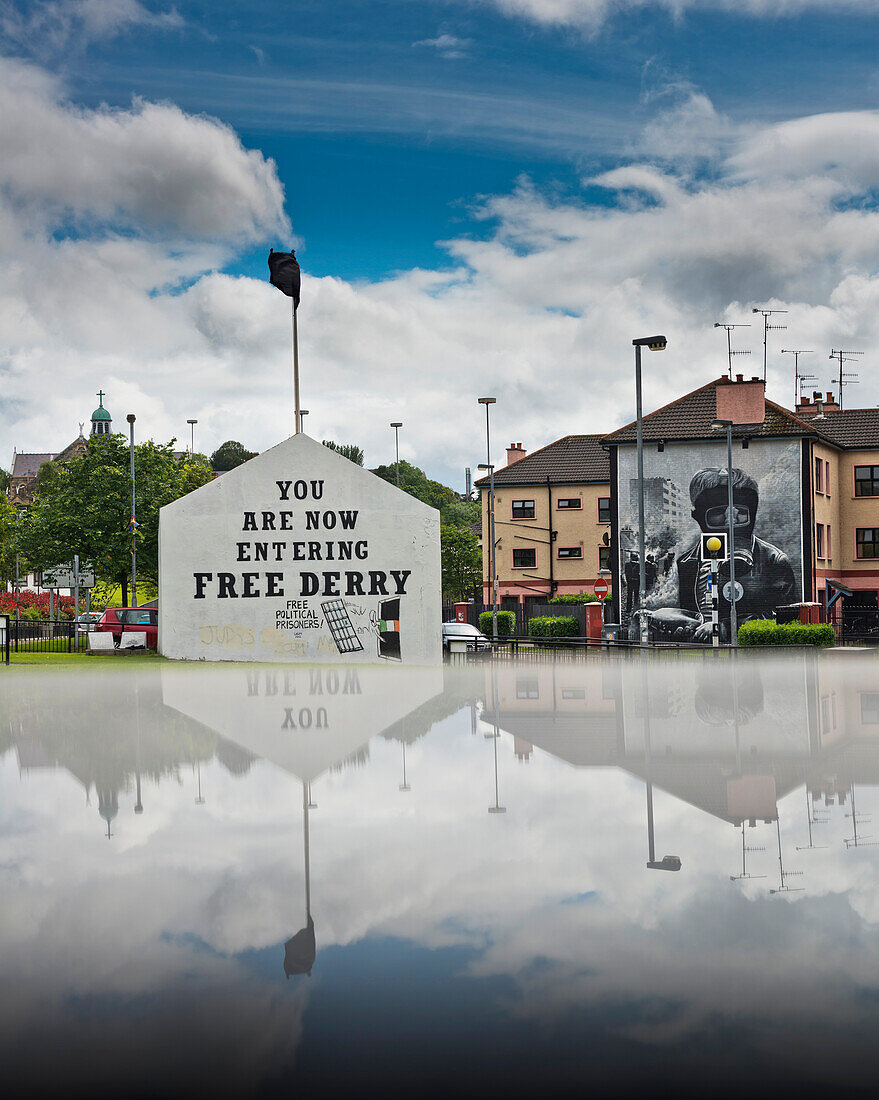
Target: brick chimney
<point x="515" y="451"/>
<point x="742" y="402"/>
<point x="818" y="404"/>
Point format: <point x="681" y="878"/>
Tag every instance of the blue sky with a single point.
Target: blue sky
<point x="435" y="163"/>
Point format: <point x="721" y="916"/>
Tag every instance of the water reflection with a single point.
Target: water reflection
<point x="228" y="909"/>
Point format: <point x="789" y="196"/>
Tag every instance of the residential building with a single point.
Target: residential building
<point x="806" y="498"/>
<point x="552" y="520"/>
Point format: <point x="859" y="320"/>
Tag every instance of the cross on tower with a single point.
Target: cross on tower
<point x="101" y="396"/>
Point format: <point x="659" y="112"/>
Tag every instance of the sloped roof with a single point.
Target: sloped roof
<point x="852" y="428"/>
<point x="574" y="459"/>
<point x="28" y="465"/>
<point x="691" y="417"/>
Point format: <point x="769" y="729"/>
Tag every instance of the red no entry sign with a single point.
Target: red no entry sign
<point x="600" y="588"/>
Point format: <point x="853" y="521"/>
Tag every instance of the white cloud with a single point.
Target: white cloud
<point x="49" y="26"/>
<point x="591" y="14"/>
<point x="447" y="46"/>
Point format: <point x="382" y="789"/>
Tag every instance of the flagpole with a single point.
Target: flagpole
<point x="298" y="421"/>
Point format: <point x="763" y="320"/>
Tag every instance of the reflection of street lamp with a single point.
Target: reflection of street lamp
<point x="404" y="786"/>
<point x="654" y="343"/>
<point x="131" y="418"/>
<point x="731" y="527"/>
<point x="667" y="863"/>
<point x="199" y="801"/>
<point x="397" y="425"/>
<point x="496" y="808"/>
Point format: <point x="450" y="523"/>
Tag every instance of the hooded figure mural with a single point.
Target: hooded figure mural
<point x="764" y="574"/>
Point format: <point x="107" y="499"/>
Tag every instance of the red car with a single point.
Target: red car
<point x="119" y="619"/>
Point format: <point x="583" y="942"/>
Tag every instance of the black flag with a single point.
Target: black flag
<point x="285" y="274"/>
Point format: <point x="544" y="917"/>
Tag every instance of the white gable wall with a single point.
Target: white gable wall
<point x="255" y="565"/>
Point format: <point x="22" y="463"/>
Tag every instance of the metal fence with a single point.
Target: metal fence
<point x="56" y="636"/>
<point x="4" y="639"/>
<point x="856" y="624"/>
<point x="531" y="609"/>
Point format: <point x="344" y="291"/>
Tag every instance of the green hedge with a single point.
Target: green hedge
<point x="768" y="632"/>
<point x="506" y="623"/>
<point x="554" y="626"/>
<point x="579" y="598"/>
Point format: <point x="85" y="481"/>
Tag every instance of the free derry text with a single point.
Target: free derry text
<point x="326" y="582"/>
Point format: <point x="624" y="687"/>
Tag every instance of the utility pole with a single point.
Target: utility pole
<point x="767" y="328"/>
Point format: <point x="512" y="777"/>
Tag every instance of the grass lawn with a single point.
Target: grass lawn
<point x="55" y="660"/>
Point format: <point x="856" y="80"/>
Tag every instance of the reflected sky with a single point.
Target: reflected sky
<point x="513" y="876"/>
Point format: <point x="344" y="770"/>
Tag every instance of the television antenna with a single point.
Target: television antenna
<point x="745" y="849"/>
<point x="729" y="351"/>
<point x="845" y="378"/>
<point x="813" y="819"/>
<point x="799" y="378"/>
<point x="858" y="841"/>
<point x="767" y="328"/>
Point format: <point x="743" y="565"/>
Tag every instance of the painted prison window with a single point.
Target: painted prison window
<point x="867" y="481"/>
<point x="569" y="502"/>
<point x="570" y="551"/>
<point x="604" y="509"/>
<point x="604" y="558"/>
<point x="523" y="509"/>
<point x="867" y="542"/>
<point x="524" y="559"/>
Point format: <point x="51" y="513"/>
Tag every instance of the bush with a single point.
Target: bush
<point x="506" y="623"/>
<point x="32" y="614"/>
<point x="579" y="598"/>
<point x="766" y="632"/>
<point x="554" y="626"/>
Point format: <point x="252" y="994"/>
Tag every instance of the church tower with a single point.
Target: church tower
<point x="101" y="419"/>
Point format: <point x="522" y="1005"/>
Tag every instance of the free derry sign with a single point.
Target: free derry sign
<point x="300" y="555"/>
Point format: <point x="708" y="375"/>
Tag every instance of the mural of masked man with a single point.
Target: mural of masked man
<point x="764" y="573"/>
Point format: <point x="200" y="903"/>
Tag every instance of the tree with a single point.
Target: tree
<point x="416" y="483"/>
<point x="461" y="561"/>
<point x="230" y="454"/>
<point x="85" y="508"/>
<point x="4" y="480"/>
<point x="9" y="520"/>
<point x="347" y="450"/>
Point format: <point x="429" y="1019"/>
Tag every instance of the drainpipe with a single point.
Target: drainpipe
<point x="549" y="524"/>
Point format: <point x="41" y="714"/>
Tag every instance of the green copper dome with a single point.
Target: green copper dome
<point x="101" y="414"/>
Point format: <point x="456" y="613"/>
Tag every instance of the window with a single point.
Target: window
<point x="819" y="539"/>
<point x="819" y="475"/>
<point x="524" y="559"/>
<point x="569" y="502"/>
<point x="867" y="542"/>
<point x="870" y="708"/>
<point x="867" y="481"/>
<point x="604" y="509"/>
<point x="573" y="693"/>
<point x="527" y="689"/>
<point x="828" y="547"/>
<point x="604" y="558"/>
<point x="523" y="509"/>
<point x="570" y="552"/>
<point x="827" y="478"/>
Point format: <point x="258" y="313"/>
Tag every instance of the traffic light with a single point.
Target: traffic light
<point x="714" y="546"/>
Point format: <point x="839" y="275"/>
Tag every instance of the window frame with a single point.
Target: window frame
<point x="819" y="475"/>
<point x="523" y="501"/>
<point x="569" y="504"/>
<point x="872" y="480"/>
<point x="820" y="548"/>
<point x="608" y="567"/>
<point x="524" y="550"/>
<point x="874" y="542"/>
<point x="599" y="509"/>
<point x="569" y="553"/>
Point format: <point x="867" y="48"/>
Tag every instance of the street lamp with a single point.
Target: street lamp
<point x="487" y="465"/>
<point x="397" y="425"/>
<point x="652" y="343"/>
<point x="191" y="424"/>
<point x="719" y="425"/>
<point x="131" y="418"/>
<point x="302" y="414"/>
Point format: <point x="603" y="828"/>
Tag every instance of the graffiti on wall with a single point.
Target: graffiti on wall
<point x="685" y="495"/>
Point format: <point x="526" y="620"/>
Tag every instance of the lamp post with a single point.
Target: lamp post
<point x="718" y="425"/>
<point x="653" y="343"/>
<point x="397" y="425"/>
<point x="302" y="414"/>
<point x="191" y="424"/>
<point x="131" y="418"/>
<point x="487" y="465"/>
